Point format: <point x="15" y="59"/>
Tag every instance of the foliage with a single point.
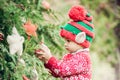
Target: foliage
<point x="16" y="13"/>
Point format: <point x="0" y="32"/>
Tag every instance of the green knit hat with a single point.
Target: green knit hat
<point x="80" y="30"/>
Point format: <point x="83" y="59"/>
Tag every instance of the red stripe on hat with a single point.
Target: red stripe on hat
<point x="82" y="29"/>
<point x="68" y="35"/>
<point x="89" y="18"/>
<point x="88" y="23"/>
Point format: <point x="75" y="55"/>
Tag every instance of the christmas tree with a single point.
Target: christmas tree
<point x="24" y="24"/>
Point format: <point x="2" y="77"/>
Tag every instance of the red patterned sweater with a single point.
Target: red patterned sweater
<point x="73" y="66"/>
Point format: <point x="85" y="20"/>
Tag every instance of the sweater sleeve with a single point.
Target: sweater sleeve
<point x="71" y="65"/>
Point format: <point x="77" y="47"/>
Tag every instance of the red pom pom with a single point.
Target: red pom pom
<point x="77" y="13"/>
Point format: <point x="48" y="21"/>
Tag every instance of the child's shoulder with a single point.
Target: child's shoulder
<point x="84" y="55"/>
<point x="76" y="55"/>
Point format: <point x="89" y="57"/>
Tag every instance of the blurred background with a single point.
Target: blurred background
<point x="46" y="17"/>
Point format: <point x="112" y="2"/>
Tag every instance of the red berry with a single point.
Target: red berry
<point x="37" y="51"/>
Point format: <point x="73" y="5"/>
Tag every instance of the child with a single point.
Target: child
<point x="78" y="34"/>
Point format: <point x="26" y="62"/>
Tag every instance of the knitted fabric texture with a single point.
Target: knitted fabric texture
<point x="75" y="66"/>
<point x="81" y="22"/>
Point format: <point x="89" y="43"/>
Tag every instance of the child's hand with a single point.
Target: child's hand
<point x="43" y="53"/>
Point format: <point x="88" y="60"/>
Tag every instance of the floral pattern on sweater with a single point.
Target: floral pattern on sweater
<point x="73" y="66"/>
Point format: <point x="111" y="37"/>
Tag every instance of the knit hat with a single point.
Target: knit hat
<point x="80" y="29"/>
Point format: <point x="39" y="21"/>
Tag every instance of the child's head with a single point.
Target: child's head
<point x="80" y="30"/>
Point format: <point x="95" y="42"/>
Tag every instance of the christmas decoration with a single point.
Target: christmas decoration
<point x="45" y="4"/>
<point x="1" y="36"/>
<point x="30" y="28"/>
<point x="37" y="51"/>
<point x="34" y="74"/>
<point x="15" y="42"/>
<point x="25" y="78"/>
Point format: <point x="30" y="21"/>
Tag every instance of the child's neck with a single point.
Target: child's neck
<point x="81" y="49"/>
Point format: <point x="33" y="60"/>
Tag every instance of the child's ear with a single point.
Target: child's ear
<point x="80" y="37"/>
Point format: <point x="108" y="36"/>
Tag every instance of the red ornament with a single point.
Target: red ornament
<point x="30" y="28"/>
<point x="1" y="36"/>
<point x="77" y="13"/>
<point x="37" y="51"/>
<point x="45" y="4"/>
<point x="25" y="78"/>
